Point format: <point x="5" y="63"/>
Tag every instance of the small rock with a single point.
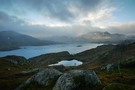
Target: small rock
<point x="108" y="67"/>
<point x="8" y="69"/>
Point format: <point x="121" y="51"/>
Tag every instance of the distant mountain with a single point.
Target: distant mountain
<point x="94" y="37"/>
<point x="106" y="37"/>
<point x="10" y="40"/>
<point x="65" y="39"/>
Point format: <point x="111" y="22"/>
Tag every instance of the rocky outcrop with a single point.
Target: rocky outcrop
<point x="108" y="67"/>
<point x="47" y="59"/>
<point x="70" y="80"/>
<point x="29" y="71"/>
<point x="75" y="79"/>
<point x="19" y="60"/>
<point x="107" y="54"/>
<point x="43" y="78"/>
<point x="99" y="53"/>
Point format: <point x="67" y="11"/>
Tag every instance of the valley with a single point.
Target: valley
<point x="114" y="67"/>
<point x="67" y="45"/>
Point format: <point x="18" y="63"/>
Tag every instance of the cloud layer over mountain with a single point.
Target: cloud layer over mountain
<point x="47" y="18"/>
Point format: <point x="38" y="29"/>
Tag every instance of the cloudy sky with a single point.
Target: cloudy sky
<point x="47" y="18"/>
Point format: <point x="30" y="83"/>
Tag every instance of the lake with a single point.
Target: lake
<point x="31" y="51"/>
<point x="68" y="63"/>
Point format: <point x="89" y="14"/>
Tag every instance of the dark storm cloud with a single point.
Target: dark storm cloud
<point x="57" y="9"/>
<point x="4" y="17"/>
<point x="8" y="22"/>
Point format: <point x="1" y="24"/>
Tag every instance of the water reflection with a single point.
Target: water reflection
<point x="67" y="63"/>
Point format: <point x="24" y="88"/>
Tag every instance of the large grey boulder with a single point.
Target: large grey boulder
<point x="43" y="77"/>
<point x="76" y="78"/>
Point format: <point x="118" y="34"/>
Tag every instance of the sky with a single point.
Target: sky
<point x="50" y="18"/>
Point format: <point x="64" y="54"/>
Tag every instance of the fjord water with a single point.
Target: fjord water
<point x="31" y="51"/>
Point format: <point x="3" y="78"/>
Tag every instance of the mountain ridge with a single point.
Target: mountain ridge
<point x="11" y="40"/>
<point x="94" y="37"/>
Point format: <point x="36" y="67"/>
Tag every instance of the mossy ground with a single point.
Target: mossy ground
<point x="126" y="79"/>
<point x="119" y="86"/>
<point x="10" y="78"/>
<point x="9" y="75"/>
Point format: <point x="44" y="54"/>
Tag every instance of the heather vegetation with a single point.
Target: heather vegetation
<point x="113" y="65"/>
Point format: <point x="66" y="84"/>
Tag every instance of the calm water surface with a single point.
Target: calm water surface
<point x="31" y="51"/>
<point x="67" y="63"/>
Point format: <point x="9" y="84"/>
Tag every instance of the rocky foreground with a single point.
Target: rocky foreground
<point x="63" y="81"/>
<point x="107" y="67"/>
